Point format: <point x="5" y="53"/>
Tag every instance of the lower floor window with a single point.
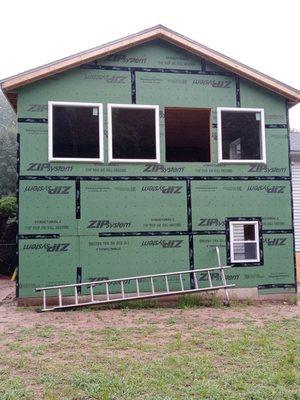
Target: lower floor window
<point x="244" y="242"/>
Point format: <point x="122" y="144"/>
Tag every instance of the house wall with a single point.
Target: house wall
<point x="61" y="243"/>
<point x="296" y="207"/>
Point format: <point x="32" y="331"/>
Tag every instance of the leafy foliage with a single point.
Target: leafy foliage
<point x="8" y="210"/>
<point x="8" y="148"/>
<point x="8" y="231"/>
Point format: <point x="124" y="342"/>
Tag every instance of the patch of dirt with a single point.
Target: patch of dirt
<point x="166" y="318"/>
<point x="161" y="318"/>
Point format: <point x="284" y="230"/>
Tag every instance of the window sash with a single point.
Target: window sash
<point x="233" y="242"/>
<point x="110" y="134"/>
<point x="99" y="159"/>
<point x="262" y="160"/>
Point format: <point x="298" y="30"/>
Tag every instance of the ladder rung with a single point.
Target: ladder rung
<point x="107" y="291"/>
<point x="76" y="294"/>
<point x="59" y="298"/>
<point x="44" y="300"/>
<point x="152" y="285"/>
<point x="137" y="286"/>
<point x="167" y="283"/>
<point x="122" y="289"/>
<point x="181" y="282"/>
<point x="92" y="293"/>
<point x="195" y="280"/>
<point x="209" y="278"/>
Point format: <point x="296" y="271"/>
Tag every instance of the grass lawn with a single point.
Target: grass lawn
<point x="242" y="352"/>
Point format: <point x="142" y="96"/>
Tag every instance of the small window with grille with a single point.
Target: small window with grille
<point x="244" y="242"/>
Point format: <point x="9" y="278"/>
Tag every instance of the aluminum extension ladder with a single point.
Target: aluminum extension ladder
<point x="123" y="296"/>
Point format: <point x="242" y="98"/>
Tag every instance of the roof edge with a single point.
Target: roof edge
<point x="158" y="31"/>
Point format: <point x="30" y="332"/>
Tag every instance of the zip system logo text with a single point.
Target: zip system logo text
<point x="48" y="167"/>
<point x="49" y="189"/>
<point x="212" y="83"/>
<point x="263" y="168"/>
<point x="267" y="188"/>
<point x="166" y="244"/>
<point x="275" y="242"/>
<point x="162" y="189"/>
<point x="107" y="224"/>
<point x="211" y="222"/>
<point x="161" y="168"/>
<point x="57" y="247"/>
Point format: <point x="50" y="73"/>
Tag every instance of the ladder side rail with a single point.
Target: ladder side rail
<point x="218" y="256"/>
<point x="222" y="273"/>
<point x="223" y="277"/>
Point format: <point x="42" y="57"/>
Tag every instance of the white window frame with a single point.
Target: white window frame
<point x="263" y="158"/>
<point x="110" y="141"/>
<point x="99" y="159"/>
<point x="232" y="241"/>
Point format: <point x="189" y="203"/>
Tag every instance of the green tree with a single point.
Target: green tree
<point x="8" y="148"/>
<point x="8" y="231"/>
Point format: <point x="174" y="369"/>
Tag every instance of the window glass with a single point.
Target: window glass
<point x="242" y="135"/>
<point x="133" y="133"/>
<point x="244" y="251"/>
<point x="75" y="131"/>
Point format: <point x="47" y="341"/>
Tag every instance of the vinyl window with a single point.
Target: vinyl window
<point x="133" y="133"/>
<point x="75" y="131"/>
<point x="241" y="135"/>
<point x="244" y="242"/>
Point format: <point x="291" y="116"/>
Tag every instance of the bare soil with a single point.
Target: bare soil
<point x="234" y="317"/>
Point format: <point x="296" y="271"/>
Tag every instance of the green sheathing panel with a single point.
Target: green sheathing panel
<point x="47" y="207"/>
<point x="172" y="90"/>
<point x="75" y="86"/>
<point x="213" y="67"/>
<point x="154" y="54"/>
<point x="121" y="257"/>
<point x="92" y="84"/>
<point x="277" y="269"/>
<point x="132" y="206"/>
<point x="47" y="262"/>
<point x="277" y="155"/>
<point x="254" y="96"/>
<point x="214" y="201"/>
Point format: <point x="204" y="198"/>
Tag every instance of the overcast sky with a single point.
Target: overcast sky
<point x="262" y="34"/>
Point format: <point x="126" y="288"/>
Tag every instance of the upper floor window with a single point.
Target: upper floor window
<point x="241" y="135"/>
<point x="75" y="131"/>
<point x="187" y="132"/>
<point x="133" y="133"/>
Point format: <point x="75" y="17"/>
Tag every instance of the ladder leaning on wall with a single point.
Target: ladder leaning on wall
<point x="108" y="297"/>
